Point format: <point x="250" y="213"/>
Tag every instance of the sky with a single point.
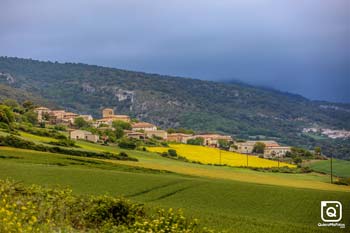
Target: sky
<point x="296" y="46"/>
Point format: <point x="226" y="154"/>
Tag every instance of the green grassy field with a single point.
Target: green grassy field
<point x="219" y="203"/>
<point x="340" y="167"/>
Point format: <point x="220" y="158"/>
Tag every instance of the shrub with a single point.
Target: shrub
<point x="4" y="126"/>
<point x="172" y="152"/>
<point x="60" y="127"/>
<point x="24" y="144"/>
<point x="41" y="132"/>
<point x="37" y="209"/>
<point x="343" y="181"/>
<point x="196" y="141"/>
<point x="65" y="143"/>
<point x="164" y="154"/>
<point x="127" y="144"/>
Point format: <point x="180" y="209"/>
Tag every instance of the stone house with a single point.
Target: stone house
<point x="86" y="117"/>
<point x="107" y="112"/>
<point x="212" y="140"/>
<point x="41" y="111"/>
<point x="248" y="146"/>
<point x="136" y="135"/>
<point x="69" y="117"/>
<point x="179" y="137"/>
<point x="157" y="133"/>
<point x="108" y="117"/>
<point x="276" y="151"/>
<point x="145" y="126"/>
<point x="83" y="135"/>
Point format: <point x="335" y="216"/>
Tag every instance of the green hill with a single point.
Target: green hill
<point x="340" y="167"/>
<point x="231" y="108"/>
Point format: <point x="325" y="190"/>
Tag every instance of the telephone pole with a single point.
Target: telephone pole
<point x="331" y="169"/>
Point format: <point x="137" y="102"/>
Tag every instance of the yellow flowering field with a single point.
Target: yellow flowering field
<point x="209" y="155"/>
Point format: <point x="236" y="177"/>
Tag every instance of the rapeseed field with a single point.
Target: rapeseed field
<point x="209" y="155"/>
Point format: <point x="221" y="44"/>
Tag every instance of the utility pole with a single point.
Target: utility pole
<point x="278" y="159"/>
<point x="247" y="160"/>
<point x="331" y="169"/>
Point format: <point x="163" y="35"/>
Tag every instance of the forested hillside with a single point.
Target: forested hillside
<point x="237" y="109"/>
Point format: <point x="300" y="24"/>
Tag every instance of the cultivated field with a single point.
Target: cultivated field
<point x="223" y="198"/>
<point x="340" y="167"/>
<point x="208" y="155"/>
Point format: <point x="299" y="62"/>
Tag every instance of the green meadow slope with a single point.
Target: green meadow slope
<point x="232" y="199"/>
<point x="340" y="167"/>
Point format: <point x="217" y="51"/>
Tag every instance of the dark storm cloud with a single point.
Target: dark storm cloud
<point x="293" y="45"/>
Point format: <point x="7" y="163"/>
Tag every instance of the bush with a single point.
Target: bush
<point x="4" y="126"/>
<point x="17" y="142"/>
<point x="65" y="143"/>
<point x="164" y="154"/>
<point x="60" y="127"/>
<point x="37" y="209"/>
<point x="172" y="152"/>
<point x="343" y="181"/>
<point x="196" y="141"/>
<point x="127" y="144"/>
<point x="41" y="132"/>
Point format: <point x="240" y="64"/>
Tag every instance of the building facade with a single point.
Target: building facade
<point x="83" y="135"/>
<point x="145" y="126"/>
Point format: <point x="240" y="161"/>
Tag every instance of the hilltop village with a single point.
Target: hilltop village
<point x="144" y="130"/>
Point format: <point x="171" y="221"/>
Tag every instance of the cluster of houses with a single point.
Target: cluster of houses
<point x="144" y="130"/>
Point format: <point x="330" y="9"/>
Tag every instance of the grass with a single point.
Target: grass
<point x="156" y="162"/>
<point x="223" y="198"/>
<point x="208" y="155"/>
<point x="36" y="138"/>
<point x="341" y="168"/>
<point x="219" y="203"/>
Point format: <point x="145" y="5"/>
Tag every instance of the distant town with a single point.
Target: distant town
<point x="145" y="130"/>
<point x="331" y="133"/>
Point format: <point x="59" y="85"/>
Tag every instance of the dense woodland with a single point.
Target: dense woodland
<point x="237" y="109"/>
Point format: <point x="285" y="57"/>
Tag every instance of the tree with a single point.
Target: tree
<point x="79" y="122"/>
<point x="6" y="115"/>
<point x="28" y="105"/>
<point x="297" y="160"/>
<point x="171" y="130"/>
<point x="224" y="144"/>
<point x="110" y="134"/>
<point x="317" y="151"/>
<point x="119" y="133"/>
<point x="259" y="148"/>
<point x="172" y="152"/>
<point x="121" y="124"/>
<point x="11" y="103"/>
<point x="195" y="141"/>
<point x="31" y="117"/>
<point x="127" y="144"/>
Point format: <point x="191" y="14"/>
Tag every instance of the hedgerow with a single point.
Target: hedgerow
<point x="17" y="142"/>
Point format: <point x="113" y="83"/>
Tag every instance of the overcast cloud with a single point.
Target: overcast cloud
<point x="293" y="45"/>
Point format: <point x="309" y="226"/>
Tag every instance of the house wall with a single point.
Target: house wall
<point x="77" y="134"/>
<point x="276" y="152"/>
<point x="144" y="128"/>
<point x="92" y="137"/>
<point x="107" y="112"/>
<point x="158" y="133"/>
